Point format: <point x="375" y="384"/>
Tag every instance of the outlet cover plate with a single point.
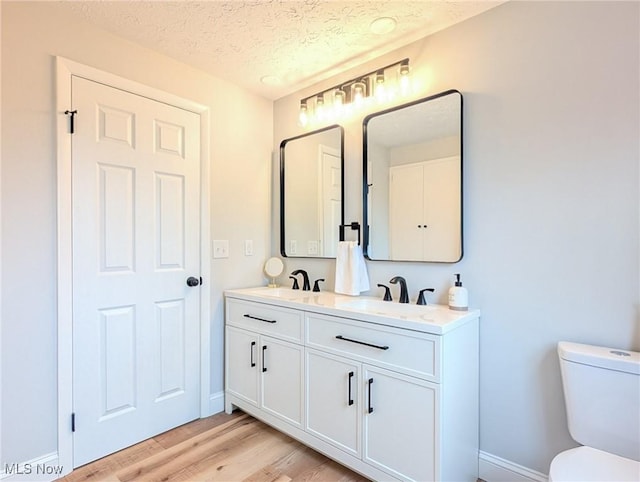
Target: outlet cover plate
<point x="220" y="248"/>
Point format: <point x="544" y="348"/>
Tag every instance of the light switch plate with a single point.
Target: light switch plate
<point x="248" y="247"/>
<point x="312" y="247"/>
<point x="220" y="248"/>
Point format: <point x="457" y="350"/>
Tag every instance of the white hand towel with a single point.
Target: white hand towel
<point x="351" y="271"/>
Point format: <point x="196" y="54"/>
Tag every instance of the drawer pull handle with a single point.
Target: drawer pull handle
<point x="370" y="404"/>
<point x="379" y="347"/>
<point x="260" y="319"/>
<point x="350" y="400"/>
<point x="253" y="363"/>
<point x="264" y="366"/>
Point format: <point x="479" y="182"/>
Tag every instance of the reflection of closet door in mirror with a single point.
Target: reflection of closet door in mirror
<point x="311" y="193"/>
<point x="424" y="199"/>
<point x="412" y="197"/>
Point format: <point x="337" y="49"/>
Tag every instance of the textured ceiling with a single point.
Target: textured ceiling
<point x="291" y="43"/>
<point x="424" y="122"/>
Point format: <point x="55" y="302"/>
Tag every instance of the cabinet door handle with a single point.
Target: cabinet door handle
<point x="370" y="404"/>
<point x="379" y="347"/>
<point x="264" y="366"/>
<point x="253" y="363"/>
<point x="350" y="400"/>
<point x="260" y="319"/>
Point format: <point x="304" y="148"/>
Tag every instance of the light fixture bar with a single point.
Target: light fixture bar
<point x="341" y="99"/>
<point x="345" y="86"/>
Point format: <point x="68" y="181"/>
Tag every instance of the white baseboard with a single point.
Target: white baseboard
<point x="40" y="469"/>
<point x="495" y="469"/>
<point x="216" y="403"/>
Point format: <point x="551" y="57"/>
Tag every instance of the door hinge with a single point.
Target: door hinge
<point x="73" y="422"/>
<point x="71" y="113"/>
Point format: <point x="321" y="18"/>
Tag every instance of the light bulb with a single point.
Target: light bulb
<point x="404" y="77"/>
<point x="320" y="110"/>
<point x="380" y="90"/>
<point x="405" y="85"/>
<point x="339" y="97"/>
<point x="404" y="67"/>
<point x="303" y="116"/>
<point x="358" y="93"/>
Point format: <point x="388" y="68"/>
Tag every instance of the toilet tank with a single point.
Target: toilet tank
<point x="602" y="397"/>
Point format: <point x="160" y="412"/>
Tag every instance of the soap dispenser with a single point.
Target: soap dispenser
<point x="458" y="296"/>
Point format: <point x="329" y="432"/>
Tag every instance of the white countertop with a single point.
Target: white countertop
<point x="434" y="319"/>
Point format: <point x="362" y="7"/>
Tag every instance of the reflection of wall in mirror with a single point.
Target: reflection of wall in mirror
<point x="434" y="149"/>
<point x="301" y="192"/>
<point x="378" y="204"/>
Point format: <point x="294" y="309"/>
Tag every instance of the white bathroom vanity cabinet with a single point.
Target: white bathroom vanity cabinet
<point x="386" y="389"/>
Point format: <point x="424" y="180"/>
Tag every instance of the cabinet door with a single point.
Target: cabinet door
<point x="401" y="424"/>
<point x="333" y="400"/>
<point x="282" y="367"/>
<point x="242" y="364"/>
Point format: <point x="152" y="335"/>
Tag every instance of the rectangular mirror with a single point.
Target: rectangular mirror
<point x="311" y="193"/>
<point x="412" y="181"/>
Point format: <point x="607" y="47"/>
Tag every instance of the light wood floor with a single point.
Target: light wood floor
<point x="223" y="447"/>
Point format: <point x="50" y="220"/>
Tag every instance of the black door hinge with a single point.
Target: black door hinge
<point x="73" y="422"/>
<point x="71" y="113"/>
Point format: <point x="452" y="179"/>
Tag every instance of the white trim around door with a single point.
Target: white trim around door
<point x="65" y="70"/>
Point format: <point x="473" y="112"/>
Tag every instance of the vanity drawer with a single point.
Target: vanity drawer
<point x="414" y="353"/>
<point x="267" y="319"/>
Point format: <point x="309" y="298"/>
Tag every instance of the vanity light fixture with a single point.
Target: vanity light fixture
<point x="337" y="101"/>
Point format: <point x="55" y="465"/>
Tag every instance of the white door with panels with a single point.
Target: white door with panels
<point x="330" y="202"/>
<point x="136" y="243"/>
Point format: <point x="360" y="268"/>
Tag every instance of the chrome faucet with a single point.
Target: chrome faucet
<point x="305" y="279"/>
<point x="404" y="293"/>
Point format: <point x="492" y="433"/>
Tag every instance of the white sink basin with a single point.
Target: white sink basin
<point x="307" y="297"/>
<point x="282" y="293"/>
<point x="388" y="308"/>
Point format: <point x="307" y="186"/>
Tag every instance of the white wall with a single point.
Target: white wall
<point x="32" y="34"/>
<point x="551" y="198"/>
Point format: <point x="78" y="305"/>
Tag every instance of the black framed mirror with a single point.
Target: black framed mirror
<point x="312" y="193"/>
<point x="412" y="181"/>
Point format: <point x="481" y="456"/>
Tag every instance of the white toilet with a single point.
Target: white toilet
<point x="602" y="396"/>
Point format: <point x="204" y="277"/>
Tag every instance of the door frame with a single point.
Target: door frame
<point x="65" y="70"/>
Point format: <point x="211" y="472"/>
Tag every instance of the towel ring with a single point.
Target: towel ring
<point x="355" y="226"/>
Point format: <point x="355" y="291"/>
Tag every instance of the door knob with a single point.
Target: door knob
<point x="192" y="281"/>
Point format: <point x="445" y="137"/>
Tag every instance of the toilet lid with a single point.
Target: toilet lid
<point x="585" y="464"/>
